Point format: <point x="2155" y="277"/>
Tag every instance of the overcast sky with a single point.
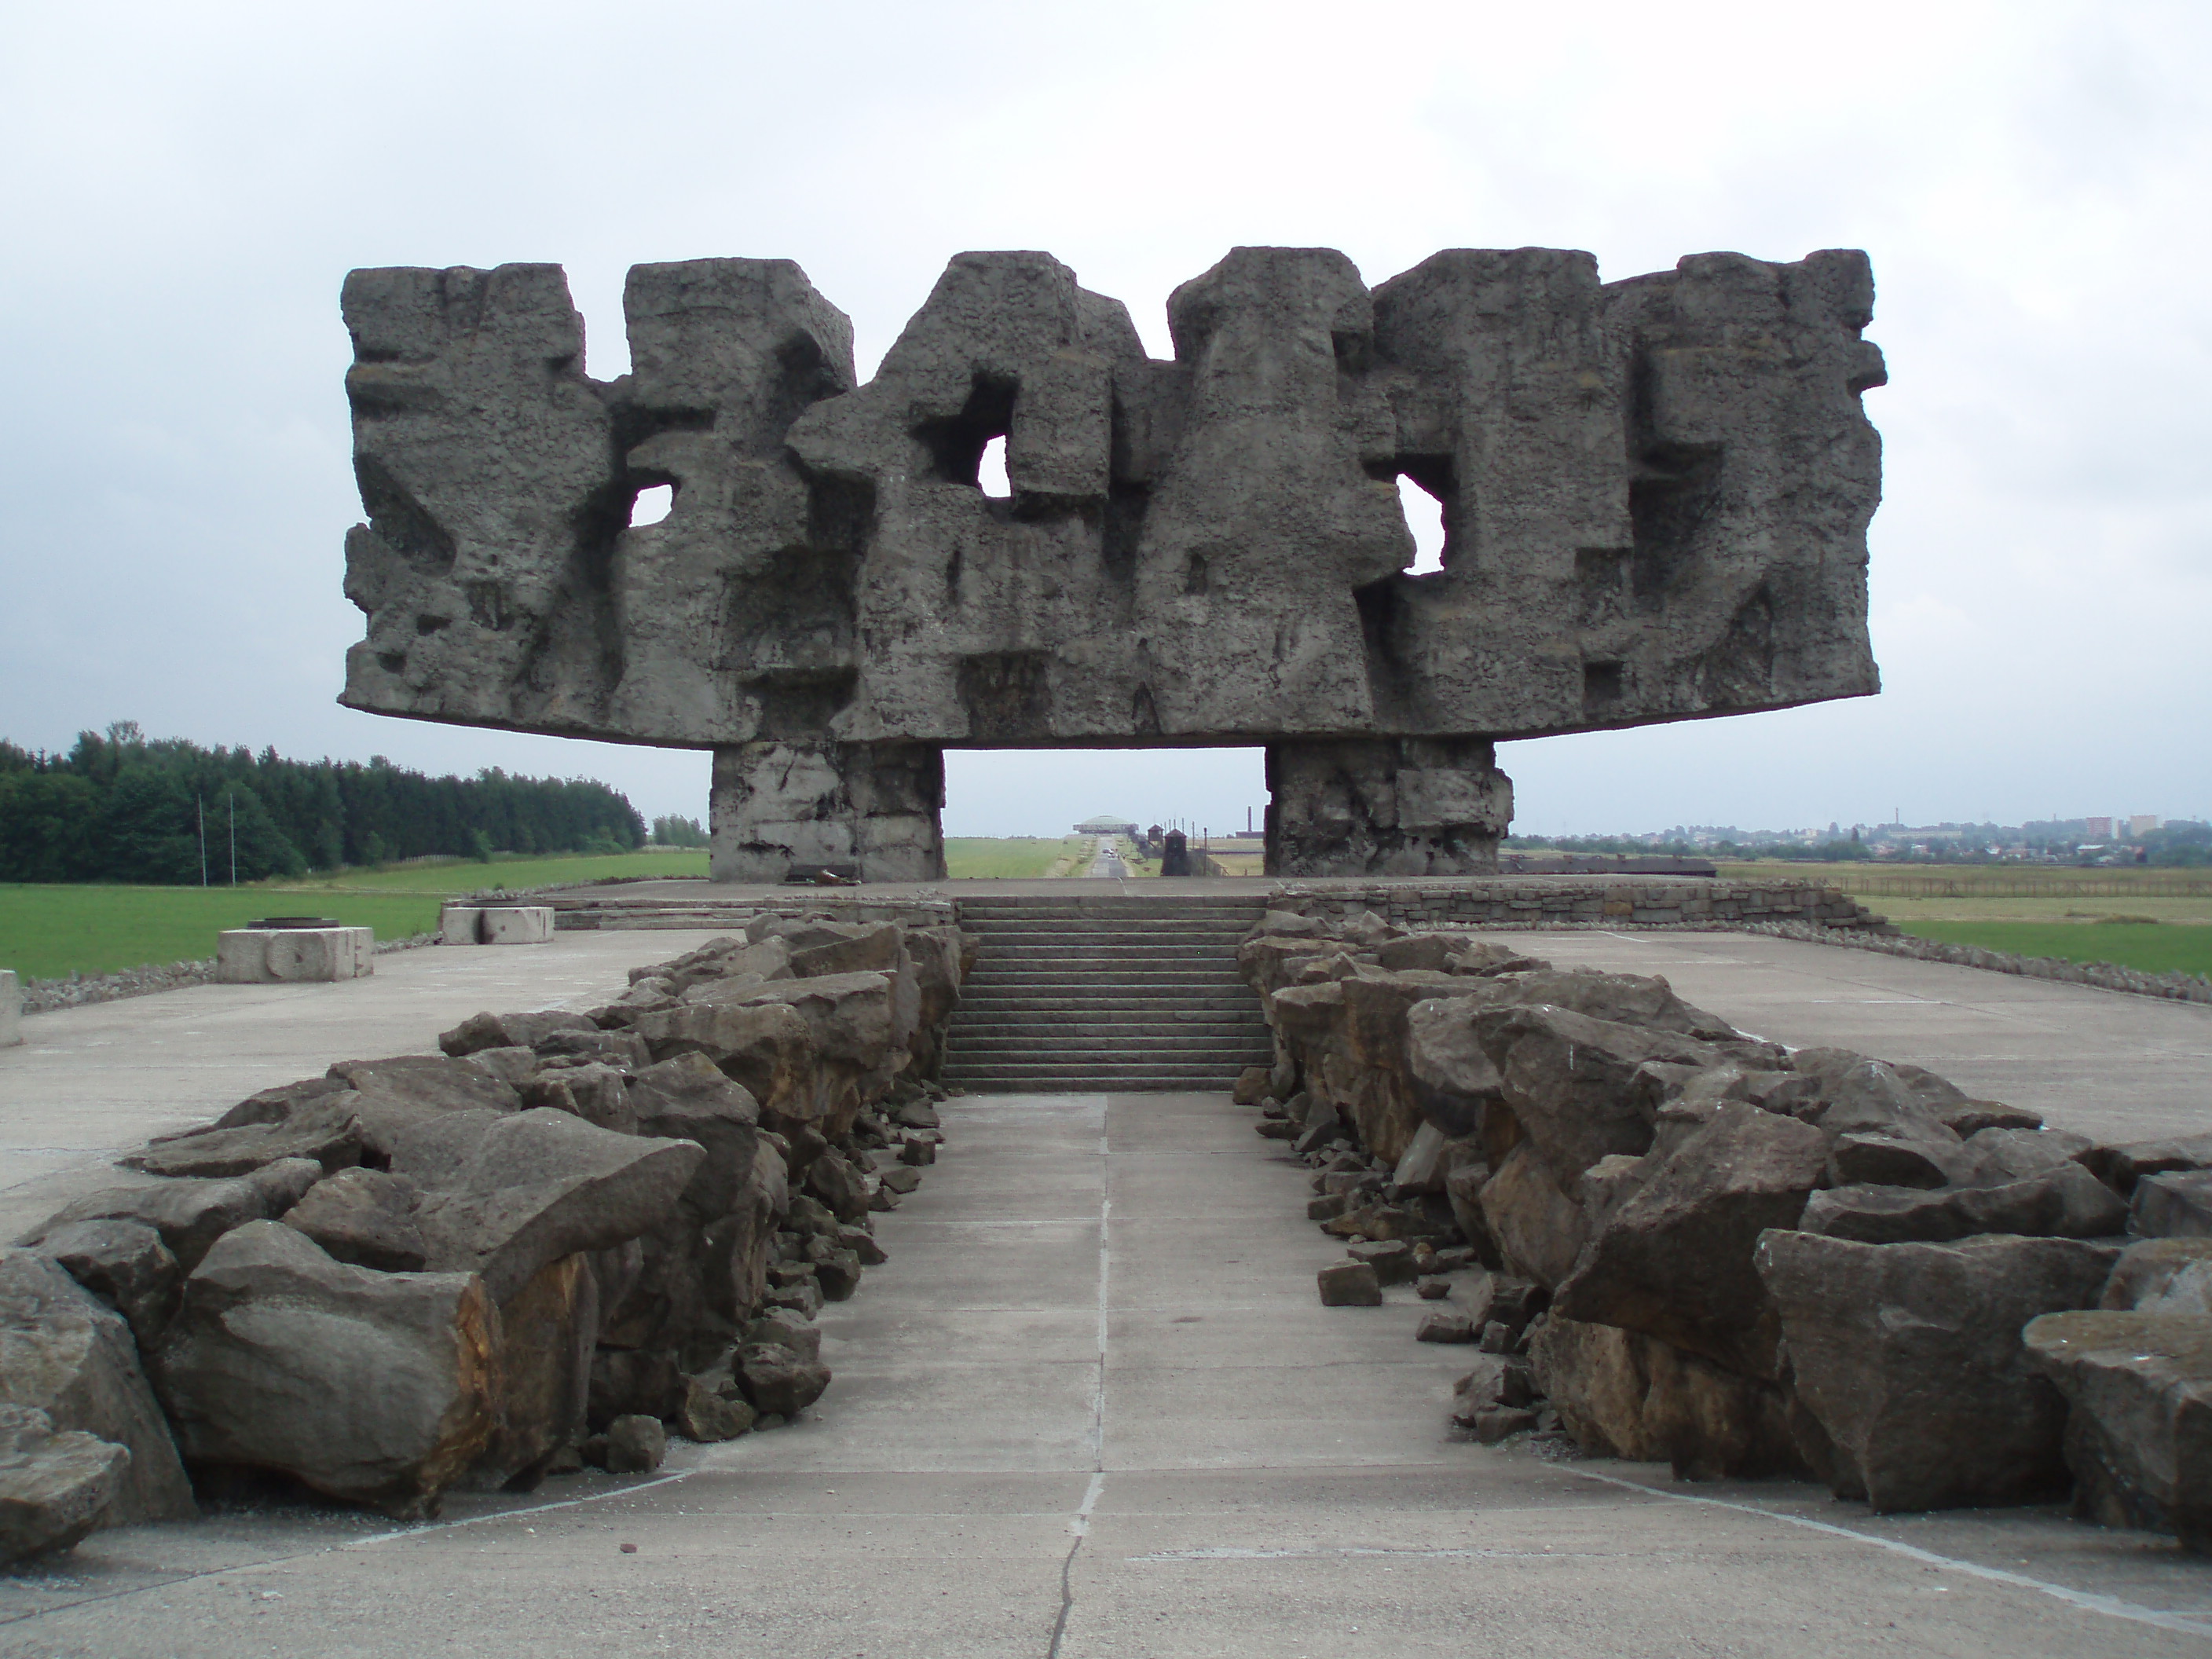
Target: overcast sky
<point x="186" y="186"/>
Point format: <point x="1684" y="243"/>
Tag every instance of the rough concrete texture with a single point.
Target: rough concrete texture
<point x="1656" y="495"/>
<point x="494" y="924"/>
<point x="1092" y="1396"/>
<point x="11" y="1008"/>
<point x="267" y="956"/>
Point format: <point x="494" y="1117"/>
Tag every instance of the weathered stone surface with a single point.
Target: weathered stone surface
<point x="1567" y="1077"/>
<point x="596" y="1093"/>
<point x="1675" y="1260"/>
<point x="541" y="1382"/>
<point x="503" y="1195"/>
<point x="2174" y="1204"/>
<point x="377" y="1388"/>
<point x="769" y="1047"/>
<point x="2162" y="1276"/>
<point x="1350" y="1284"/>
<point x="489" y="1030"/>
<point x="636" y="1444"/>
<point x="127" y="1266"/>
<point x="832" y="600"/>
<point x="1539" y="1231"/>
<point x="11" y="1008"/>
<point x="191" y="1213"/>
<point x="2138" y="1387"/>
<point x="326" y="1131"/>
<point x="1445" y="1325"/>
<point x="2064" y="1202"/>
<point x="275" y="1105"/>
<point x="2120" y="1167"/>
<point x="777" y="1380"/>
<point x="1453" y="1081"/>
<point x="1595" y="1377"/>
<point x="365" y="1217"/>
<point x="53" y="1487"/>
<point x="1910" y="1357"/>
<point x="63" y="1353"/>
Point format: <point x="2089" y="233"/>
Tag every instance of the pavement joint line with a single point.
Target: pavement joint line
<point x="397" y="1534"/>
<point x="1225" y="1552"/>
<point x="2111" y="1606"/>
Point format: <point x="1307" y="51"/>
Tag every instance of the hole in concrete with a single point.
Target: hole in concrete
<point x="652" y="505"/>
<point x="1424" y="517"/>
<point x="1602" y="686"/>
<point x="991" y="470"/>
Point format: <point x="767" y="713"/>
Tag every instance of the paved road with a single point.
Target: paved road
<point x="1089" y="1407"/>
<point x="1109" y="862"/>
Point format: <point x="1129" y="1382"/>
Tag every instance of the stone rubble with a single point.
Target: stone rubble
<point x="1666" y="1241"/>
<point x="546" y="1247"/>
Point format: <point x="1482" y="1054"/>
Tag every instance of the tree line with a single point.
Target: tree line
<point x="120" y="806"/>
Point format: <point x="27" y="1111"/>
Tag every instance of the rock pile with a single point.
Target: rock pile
<point x="546" y="1245"/>
<point x="1668" y="1240"/>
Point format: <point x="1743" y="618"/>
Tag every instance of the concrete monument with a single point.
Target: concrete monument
<point x="1656" y="495"/>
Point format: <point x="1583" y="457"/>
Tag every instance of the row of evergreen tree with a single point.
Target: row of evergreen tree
<point x="122" y="807"/>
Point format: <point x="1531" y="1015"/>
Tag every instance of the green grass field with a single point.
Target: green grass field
<point x="47" y="932"/>
<point x="2154" y="949"/>
<point x="969" y="858"/>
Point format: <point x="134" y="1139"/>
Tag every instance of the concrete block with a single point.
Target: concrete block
<point x="276" y="955"/>
<point x="495" y="924"/>
<point x="11" y="1008"/>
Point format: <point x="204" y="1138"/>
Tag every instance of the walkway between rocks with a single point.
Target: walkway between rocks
<point x="1092" y="1406"/>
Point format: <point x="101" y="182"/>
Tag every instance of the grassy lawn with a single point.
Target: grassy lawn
<point x="2151" y="949"/>
<point x="969" y="858"/>
<point x="46" y="932"/>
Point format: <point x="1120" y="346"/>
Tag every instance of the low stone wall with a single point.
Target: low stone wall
<point x="584" y="910"/>
<point x="1603" y="901"/>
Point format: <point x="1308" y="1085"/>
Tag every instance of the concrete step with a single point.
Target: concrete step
<point x="1033" y="1026"/>
<point x="1021" y="1047"/>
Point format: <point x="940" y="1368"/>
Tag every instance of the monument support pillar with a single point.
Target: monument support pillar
<point x="1386" y="807"/>
<point x="869" y="809"/>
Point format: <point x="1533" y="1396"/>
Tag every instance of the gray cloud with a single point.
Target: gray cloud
<point x="188" y="187"/>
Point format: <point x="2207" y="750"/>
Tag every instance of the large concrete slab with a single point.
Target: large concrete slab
<point x="1090" y="1406"/>
<point x="2111" y="1066"/>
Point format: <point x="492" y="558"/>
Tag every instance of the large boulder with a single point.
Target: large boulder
<point x="54" y="1487"/>
<point x="1910" y="1357"/>
<point x="2163" y="1276"/>
<point x="375" y="1388"/>
<point x="821" y="948"/>
<point x="1621" y="1394"/>
<point x="1536" y="1228"/>
<point x="1454" y="1083"/>
<point x="2138" y="1389"/>
<point x="503" y="1195"/>
<point x="392" y="1095"/>
<point x="769" y="1048"/>
<point x="191" y="1213"/>
<point x="937" y="960"/>
<point x="489" y="1030"/>
<point x="1369" y="1070"/>
<point x="127" y="1266"/>
<point x="2065" y="1201"/>
<point x="325" y="1130"/>
<point x="62" y="1352"/>
<point x="1676" y="1260"/>
<point x="548" y="1333"/>
<point x="2173" y="1204"/>
<point x="1567" y="1076"/>
<point x="2120" y="1167"/>
<point x="365" y="1217"/>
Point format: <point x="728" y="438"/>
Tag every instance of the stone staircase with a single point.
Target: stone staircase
<point x="1087" y="995"/>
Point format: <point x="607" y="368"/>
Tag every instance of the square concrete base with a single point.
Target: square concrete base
<point x="495" y="924"/>
<point x="274" y="956"/>
<point x="11" y="1007"/>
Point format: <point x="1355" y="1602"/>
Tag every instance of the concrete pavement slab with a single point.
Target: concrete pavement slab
<point x="1115" y="1422"/>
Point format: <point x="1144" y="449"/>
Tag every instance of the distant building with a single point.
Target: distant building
<point x="2143" y="823"/>
<point x="1103" y="825"/>
<point x="2097" y="828"/>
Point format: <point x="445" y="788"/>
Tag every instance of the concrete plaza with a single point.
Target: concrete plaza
<point x="1092" y="1405"/>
